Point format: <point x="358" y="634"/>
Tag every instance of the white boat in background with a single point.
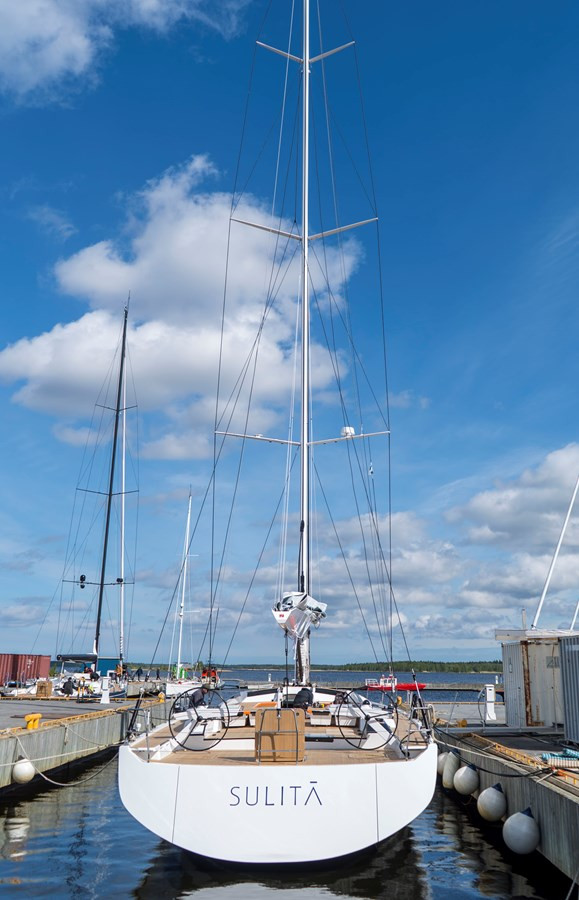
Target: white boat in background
<point x="177" y="680"/>
<point x="182" y="678"/>
<point x="297" y="772"/>
<point x="101" y="679"/>
<point x="19" y="688"/>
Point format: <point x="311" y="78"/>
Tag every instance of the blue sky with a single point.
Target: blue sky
<point x="120" y="129"/>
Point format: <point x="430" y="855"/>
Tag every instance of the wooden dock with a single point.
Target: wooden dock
<point x="513" y="758"/>
<point x="67" y="731"/>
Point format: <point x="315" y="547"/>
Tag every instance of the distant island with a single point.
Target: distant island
<point x="418" y="665"/>
<point x="422" y="666"/>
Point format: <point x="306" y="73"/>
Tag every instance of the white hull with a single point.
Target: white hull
<point x="276" y="814"/>
<point x="174" y="688"/>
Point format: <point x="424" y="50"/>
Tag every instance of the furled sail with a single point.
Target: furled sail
<point x="296" y="612"/>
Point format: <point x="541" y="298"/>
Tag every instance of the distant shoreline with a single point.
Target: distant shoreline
<point x="422" y="667"/>
<point x="486" y="667"/>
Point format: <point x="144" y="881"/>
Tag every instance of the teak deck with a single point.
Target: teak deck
<point x="310" y="753"/>
<point x="321" y="757"/>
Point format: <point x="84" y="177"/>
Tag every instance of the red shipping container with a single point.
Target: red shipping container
<point x="42" y="667"/>
<point x="29" y="665"/>
<point x="22" y="666"/>
<point x="5" y="667"/>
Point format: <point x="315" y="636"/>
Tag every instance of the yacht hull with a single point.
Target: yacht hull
<point x="276" y="813"/>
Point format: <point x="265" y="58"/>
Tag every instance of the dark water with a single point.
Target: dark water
<point x="78" y="842"/>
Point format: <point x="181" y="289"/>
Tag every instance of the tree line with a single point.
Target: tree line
<point x="418" y="665"/>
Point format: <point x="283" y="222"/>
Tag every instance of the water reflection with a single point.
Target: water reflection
<point x="79" y="841"/>
<point x="472" y="854"/>
<point x="15" y="827"/>
<point x="392" y="870"/>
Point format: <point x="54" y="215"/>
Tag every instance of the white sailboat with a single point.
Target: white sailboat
<point x="96" y="681"/>
<point x="178" y="681"/>
<point x="296" y="772"/>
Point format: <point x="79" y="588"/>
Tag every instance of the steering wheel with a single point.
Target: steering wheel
<point x="182" y="703"/>
<point x="368" y="715"/>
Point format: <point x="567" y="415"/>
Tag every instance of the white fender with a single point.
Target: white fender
<point x="466" y="779"/>
<point x="441" y="761"/>
<point x="23" y="771"/>
<point x="451" y="764"/>
<point x="521" y="832"/>
<point x="492" y="803"/>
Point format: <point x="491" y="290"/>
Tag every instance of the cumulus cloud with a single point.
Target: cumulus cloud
<point x="463" y="628"/>
<point x="22" y="614"/>
<point x="49" y="46"/>
<point x="171" y="257"/>
<point x="506" y="538"/>
<point x="528" y="511"/>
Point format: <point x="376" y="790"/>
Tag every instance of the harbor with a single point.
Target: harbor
<point x="51" y="734"/>
<point x="345" y="346"/>
<point x="64" y="735"/>
<point x="476" y="731"/>
<point x="514" y="759"/>
<point x="59" y="842"/>
<point x="522" y="766"/>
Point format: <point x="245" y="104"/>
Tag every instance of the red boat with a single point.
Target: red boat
<point x="393" y="685"/>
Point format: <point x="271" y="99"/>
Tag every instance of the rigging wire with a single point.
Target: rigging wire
<point x="220" y="358"/>
<point x="98" y="434"/>
<point x="275" y="282"/>
<point x="346" y="563"/>
<point x="350" y="450"/>
<point x="333" y="349"/>
<point x="257" y="565"/>
<point x="244" y="386"/>
<point x="381" y="291"/>
<point x="371" y="196"/>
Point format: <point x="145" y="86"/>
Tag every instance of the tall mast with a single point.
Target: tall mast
<point x="111" y="487"/>
<point x="122" y="560"/>
<point x="183" y="587"/>
<point x="303" y="644"/>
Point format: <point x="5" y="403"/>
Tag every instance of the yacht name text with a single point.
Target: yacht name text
<point x="280" y="795"/>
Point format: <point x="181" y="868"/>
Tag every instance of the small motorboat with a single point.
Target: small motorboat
<point x="390" y="683"/>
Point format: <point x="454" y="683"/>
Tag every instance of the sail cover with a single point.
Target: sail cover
<point x="296" y="612"/>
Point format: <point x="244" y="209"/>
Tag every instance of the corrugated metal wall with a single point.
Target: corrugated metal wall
<point x="545" y="689"/>
<point x="514" y="682"/>
<point x="20" y="666"/>
<point x="570" y="679"/>
<point x="533" y="684"/>
<point x="5" y="667"/>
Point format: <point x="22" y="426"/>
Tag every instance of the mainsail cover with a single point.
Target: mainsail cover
<point x="296" y="612"/>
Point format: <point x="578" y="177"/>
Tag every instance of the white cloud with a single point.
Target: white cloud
<point x="527" y="511"/>
<point x="76" y="437"/>
<point x="21" y="614"/>
<point x="53" y="221"/>
<point x="407" y="399"/>
<point x="48" y="46"/>
<point x="171" y="259"/>
<point x="466" y="627"/>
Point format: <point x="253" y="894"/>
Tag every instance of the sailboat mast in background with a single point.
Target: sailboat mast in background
<point x="111" y="487"/>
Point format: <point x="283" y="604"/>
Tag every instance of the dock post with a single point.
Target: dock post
<point x="490" y="697"/>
